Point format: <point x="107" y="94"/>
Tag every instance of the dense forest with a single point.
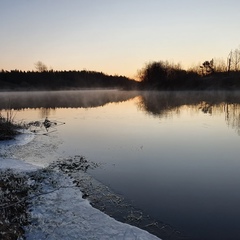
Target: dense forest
<point x="214" y="74"/>
<point x="154" y="76"/>
<point x="56" y="80"/>
<point x="169" y="76"/>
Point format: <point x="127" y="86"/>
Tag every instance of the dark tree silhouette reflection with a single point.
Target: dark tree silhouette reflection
<point x="165" y="104"/>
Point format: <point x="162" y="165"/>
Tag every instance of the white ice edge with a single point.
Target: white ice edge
<point x="16" y="164"/>
<point x="19" y="140"/>
<point x="64" y="214"/>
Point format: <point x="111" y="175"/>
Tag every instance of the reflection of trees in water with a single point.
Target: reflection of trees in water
<point x="159" y="104"/>
<point x="45" y="112"/>
<point x="206" y="107"/>
<point x="63" y="99"/>
<point x="167" y="104"/>
<point x="230" y="110"/>
<point x="233" y="116"/>
<point x="164" y="104"/>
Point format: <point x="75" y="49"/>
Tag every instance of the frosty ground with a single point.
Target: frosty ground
<point x="55" y="206"/>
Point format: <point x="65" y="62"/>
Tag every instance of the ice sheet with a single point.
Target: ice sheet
<point x="62" y="213"/>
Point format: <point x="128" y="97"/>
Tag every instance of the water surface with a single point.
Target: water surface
<point x="174" y="155"/>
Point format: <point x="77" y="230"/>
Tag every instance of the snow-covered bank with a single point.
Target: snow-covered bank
<point x="56" y="207"/>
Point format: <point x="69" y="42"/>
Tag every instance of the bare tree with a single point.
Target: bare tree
<point x="40" y="66"/>
<point x="220" y="65"/>
<point x="233" y="60"/>
<point x="236" y="59"/>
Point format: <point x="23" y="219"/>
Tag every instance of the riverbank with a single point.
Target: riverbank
<point x="46" y="203"/>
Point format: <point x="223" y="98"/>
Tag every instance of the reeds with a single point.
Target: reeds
<point x="8" y="129"/>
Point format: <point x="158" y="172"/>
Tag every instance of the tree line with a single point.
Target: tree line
<point x="158" y="75"/>
<point x="211" y="74"/>
<point x="163" y="75"/>
<point x="55" y="80"/>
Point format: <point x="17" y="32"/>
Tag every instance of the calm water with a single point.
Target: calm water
<point x="175" y="155"/>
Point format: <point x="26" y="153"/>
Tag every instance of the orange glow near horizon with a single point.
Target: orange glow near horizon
<point x="98" y="38"/>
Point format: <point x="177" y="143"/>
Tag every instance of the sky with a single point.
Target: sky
<point x="115" y="37"/>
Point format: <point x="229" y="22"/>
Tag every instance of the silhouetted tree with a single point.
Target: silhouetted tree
<point x="208" y="67"/>
<point x="163" y="75"/>
<point x="152" y="74"/>
<point x="40" y="66"/>
<point x="236" y="59"/>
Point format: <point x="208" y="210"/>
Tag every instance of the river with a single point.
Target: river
<point x="173" y="154"/>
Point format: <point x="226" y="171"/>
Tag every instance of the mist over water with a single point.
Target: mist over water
<point x="62" y="99"/>
<point x="173" y="154"/>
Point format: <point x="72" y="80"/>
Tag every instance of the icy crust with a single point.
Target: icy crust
<point x="20" y="139"/>
<point x="39" y="150"/>
<point x="107" y="201"/>
<point x="17" y="165"/>
<point x="9" y="148"/>
<point x="58" y="211"/>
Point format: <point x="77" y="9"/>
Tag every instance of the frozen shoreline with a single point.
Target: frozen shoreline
<point x="57" y="210"/>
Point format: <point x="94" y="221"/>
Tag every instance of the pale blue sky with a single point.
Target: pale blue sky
<point x="115" y="37"/>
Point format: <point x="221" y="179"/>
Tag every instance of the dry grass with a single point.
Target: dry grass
<point x="7" y="127"/>
<point x="13" y="216"/>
